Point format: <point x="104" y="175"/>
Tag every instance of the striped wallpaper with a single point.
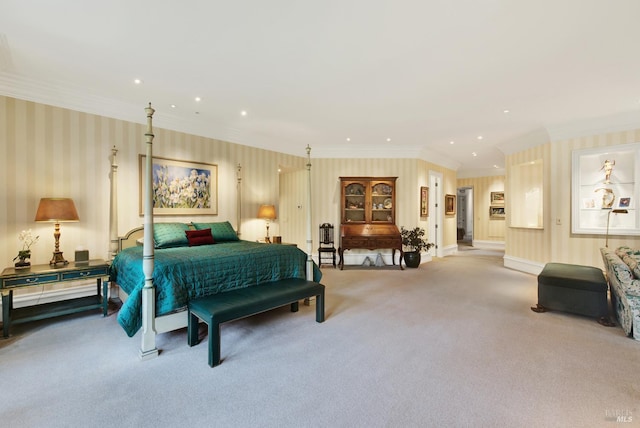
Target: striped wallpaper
<point x="50" y="151"/>
<point x="53" y="152"/>
<point x="555" y="243"/>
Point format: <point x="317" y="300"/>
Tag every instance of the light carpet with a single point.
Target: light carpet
<point x="452" y="343"/>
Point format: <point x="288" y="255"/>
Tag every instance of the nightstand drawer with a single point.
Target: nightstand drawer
<point x="31" y="280"/>
<point x="89" y="273"/>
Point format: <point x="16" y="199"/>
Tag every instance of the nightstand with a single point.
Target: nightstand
<point x="38" y="275"/>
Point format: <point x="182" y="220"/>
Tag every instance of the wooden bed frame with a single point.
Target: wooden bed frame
<point x="152" y="325"/>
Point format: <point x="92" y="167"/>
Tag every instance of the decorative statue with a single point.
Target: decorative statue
<point x="608" y="197"/>
<point x="608" y="168"/>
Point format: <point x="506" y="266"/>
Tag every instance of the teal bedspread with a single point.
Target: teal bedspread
<point x="188" y="272"/>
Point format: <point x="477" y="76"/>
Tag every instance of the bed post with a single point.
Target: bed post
<point x="239" y="201"/>
<point x="148" y="346"/>
<point x="309" y="240"/>
<point x="113" y="207"/>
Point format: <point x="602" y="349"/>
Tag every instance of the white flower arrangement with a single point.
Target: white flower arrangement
<point x="27" y="238"/>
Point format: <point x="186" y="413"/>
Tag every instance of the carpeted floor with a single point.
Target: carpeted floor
<point x="452" y="343"/>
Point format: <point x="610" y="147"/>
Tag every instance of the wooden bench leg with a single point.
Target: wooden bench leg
<point x="320" y="307"/>
<point x="214" y="344"/>
<point x="192" y="330"/>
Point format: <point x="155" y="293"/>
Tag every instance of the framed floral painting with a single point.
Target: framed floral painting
<point x="424" y="201"/>
<point x="180" y="187"/>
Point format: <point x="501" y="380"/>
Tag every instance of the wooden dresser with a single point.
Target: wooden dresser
<point x="370" y="237"/>
<point x="368" y="216"/>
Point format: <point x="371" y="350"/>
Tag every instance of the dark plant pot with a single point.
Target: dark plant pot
<point x="22" y="264"/>
<point x="412" y="259"/>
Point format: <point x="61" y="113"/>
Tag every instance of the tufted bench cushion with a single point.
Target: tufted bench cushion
<point x="571" y="288"/>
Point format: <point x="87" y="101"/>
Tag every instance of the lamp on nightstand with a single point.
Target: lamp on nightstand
<point x="606" y="241"/>
<point x="267" y="212"/>
<point x="57" y="210"/>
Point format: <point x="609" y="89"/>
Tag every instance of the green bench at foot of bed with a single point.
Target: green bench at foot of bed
<point x="240" y="303"/>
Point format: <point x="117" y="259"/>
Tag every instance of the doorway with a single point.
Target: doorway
<point x="436" y="211"/>
<point x="464" y="216"/>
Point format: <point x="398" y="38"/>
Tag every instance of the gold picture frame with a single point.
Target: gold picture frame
<point x="424" y="201"/>
<point x="497" y="198"/>
<point x="180" y="187"/>
<point x="496" y="212"/>
<point x="449" y="204"/>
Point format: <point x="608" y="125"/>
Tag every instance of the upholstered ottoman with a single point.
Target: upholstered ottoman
<point x="576" y="289"/>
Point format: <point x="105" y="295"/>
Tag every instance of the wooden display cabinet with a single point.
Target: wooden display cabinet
<point x="368" y="214"/>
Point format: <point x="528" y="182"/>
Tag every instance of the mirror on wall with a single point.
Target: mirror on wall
<point x="526" y="195"/>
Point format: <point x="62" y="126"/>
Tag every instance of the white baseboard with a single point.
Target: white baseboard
<point x="449" y="250"/>
<point x="523" y="265"/>
<point x="41" y="296"/>
<point x="488" y="245"/>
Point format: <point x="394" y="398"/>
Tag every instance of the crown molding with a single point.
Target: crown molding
<point x="524" y="142"/>
<point x="481" y="172"/>
<point x="78" y="99"/>
<point x="602" y="125"/>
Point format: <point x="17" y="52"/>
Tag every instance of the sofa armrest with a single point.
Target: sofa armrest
<point x="619" y="274"/>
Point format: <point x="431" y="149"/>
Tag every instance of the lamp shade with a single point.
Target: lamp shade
<point x="267" y="212"/>
<point x="57" y="210"/>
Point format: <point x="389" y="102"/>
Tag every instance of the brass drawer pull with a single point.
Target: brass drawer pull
<point x="32" y="280"/>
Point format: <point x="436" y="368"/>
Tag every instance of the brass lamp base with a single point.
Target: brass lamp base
<point x="58" y="259"/>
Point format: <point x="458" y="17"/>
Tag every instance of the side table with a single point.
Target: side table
<point x="37" y="275"/>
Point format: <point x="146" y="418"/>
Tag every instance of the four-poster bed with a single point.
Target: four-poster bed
<point x="159" y="281"/>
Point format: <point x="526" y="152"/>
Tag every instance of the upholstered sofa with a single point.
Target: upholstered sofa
<point x="623" y="275"/>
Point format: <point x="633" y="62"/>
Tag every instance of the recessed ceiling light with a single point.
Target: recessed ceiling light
<point x="348" y="139"/>
<point x="173" y="106"/>
<point x="479" y="137"/>
<point x="451" y="142"/>
<point x="243" y="113"/>
<point x="137" y="81"/>
<point x="474" y="154"/>
<point x="495" y="166"/>
<point x="505" y="111"/>
<point x="198" y="99"/>
<point x="388" y="140"/>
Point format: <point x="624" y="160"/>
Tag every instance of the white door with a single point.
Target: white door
<point x="436" y="213"/>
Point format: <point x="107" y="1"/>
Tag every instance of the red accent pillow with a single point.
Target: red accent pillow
<point x="199" y="237"/>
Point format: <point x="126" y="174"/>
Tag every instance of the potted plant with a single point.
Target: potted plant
<point x="24" y="255"/>
<point x="414" y="242"/>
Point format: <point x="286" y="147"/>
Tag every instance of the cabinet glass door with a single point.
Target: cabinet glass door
<point x="354" y="203"/>
<point x="382" y="201"/>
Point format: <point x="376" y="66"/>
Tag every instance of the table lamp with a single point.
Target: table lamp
<point x="57" y="210"/>
<point x="606" y="241"/>
<point x="267" y="212"/>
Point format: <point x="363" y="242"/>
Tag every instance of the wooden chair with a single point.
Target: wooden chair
<point x="326" y="248"/>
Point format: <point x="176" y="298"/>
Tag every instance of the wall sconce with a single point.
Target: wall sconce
<point x="606" y="241"/>
<point x="267" y="212"/>
<point x="57" y="210"/>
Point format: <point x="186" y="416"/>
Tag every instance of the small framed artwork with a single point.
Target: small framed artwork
<point x="496" y="213"/>
<point x="424" y="201"/>
<point x="449" y="204"/>
<point x="624" y="203"/>
<point x="497" y="198"/>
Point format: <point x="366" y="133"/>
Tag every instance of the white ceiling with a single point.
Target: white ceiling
<point x="421" y="72"/>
